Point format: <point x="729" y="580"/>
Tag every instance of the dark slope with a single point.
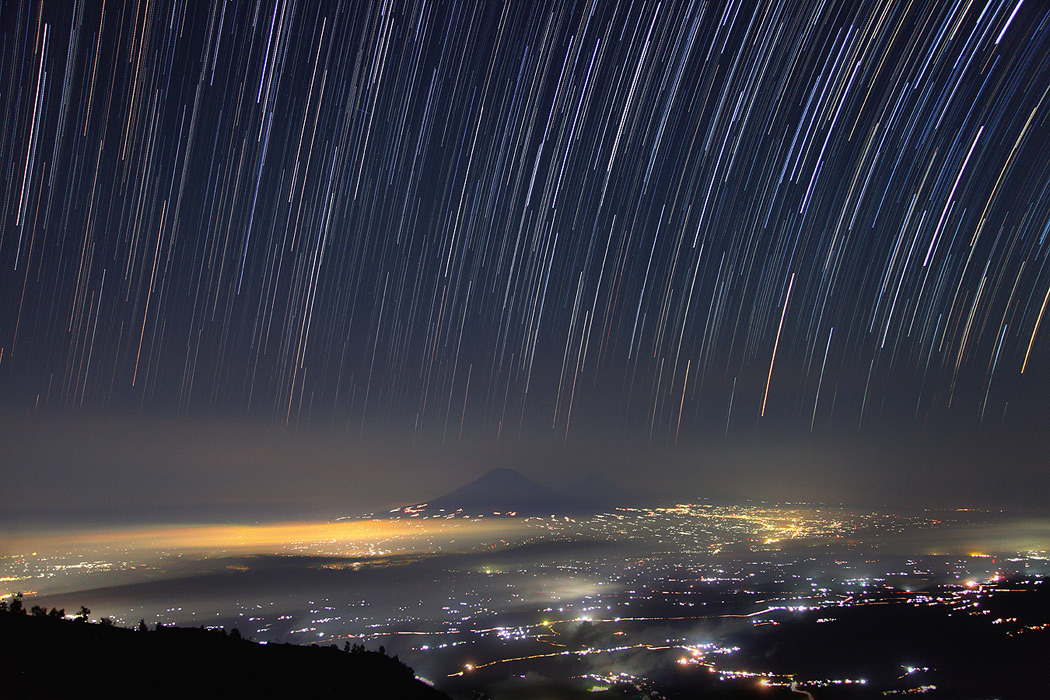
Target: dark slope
<point x="500" y="490"/>
<point x="48" y="657"/>
<point x="503" y="491"/>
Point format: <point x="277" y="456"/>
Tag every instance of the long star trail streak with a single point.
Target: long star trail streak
<point x="577" y="215"/>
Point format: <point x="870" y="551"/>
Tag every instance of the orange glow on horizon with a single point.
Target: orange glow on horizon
<point x="343" y="537"/>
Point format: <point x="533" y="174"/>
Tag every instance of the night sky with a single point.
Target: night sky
<point x="302" y="253"/>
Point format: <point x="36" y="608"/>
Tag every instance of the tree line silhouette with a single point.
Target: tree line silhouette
<point x="188" y="660"/>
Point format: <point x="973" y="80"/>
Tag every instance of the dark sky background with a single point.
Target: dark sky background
<point x="325" y="256"/>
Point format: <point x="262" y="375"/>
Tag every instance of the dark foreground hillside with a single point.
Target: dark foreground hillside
<point x="51" y="657"/>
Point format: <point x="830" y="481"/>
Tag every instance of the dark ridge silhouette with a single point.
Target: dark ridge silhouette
<point x="48" y="656"/>
<point x="508" y="492"/>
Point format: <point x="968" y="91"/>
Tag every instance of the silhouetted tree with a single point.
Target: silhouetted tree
<point x="235" y="633"/>
<point x="37" y="611"/>
<point x="55" y="612"/>
<point x="16" y="604"/>
<point x="142" y="626"/>
<point x="82" y="615"/>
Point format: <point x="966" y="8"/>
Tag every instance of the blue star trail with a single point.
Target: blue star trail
<point x="458" y="219"/>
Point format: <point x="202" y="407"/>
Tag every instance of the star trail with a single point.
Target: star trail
<point x="461" y="220"/>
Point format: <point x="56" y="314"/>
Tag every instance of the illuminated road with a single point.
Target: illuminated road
<point x="794" y="689"/>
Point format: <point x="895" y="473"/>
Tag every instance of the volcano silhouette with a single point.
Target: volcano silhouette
<point x="505" y="491"/>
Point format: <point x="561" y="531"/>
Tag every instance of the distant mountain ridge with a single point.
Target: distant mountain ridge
<point x="503" y="492"/>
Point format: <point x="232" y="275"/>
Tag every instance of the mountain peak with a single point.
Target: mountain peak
<point x="503" y="491"/>
<point x="498" y="490"/>
<point x="503" y="473"/>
